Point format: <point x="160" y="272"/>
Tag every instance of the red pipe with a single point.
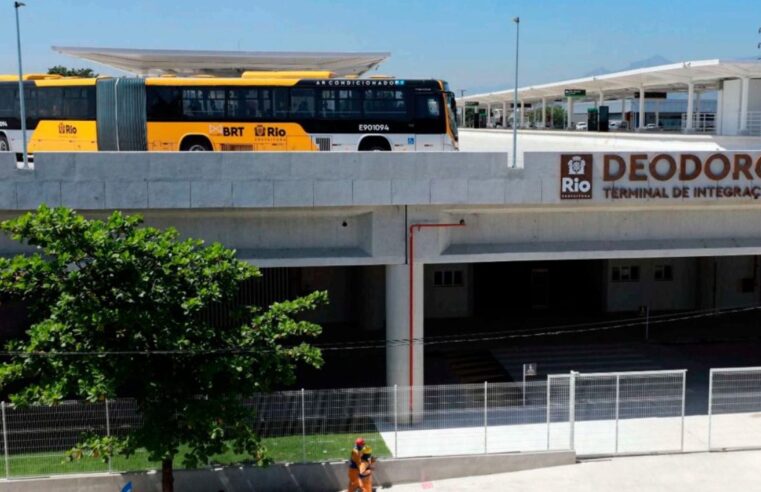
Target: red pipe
<point x="412" y="293"/>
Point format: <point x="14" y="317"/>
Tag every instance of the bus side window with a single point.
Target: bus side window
<point x="7" y="97"/>
<point x="427" y="106"/>
<point x="340" y="104"/>
<point x="302" y="103"/>
<point x="164" y="103"/>
<point x="280" y="102"/>
<point x="385" y="104"/>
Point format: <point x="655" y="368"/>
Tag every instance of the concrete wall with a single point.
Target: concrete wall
<point x="317" y="477"/>
<point x="730" y="110"/>
<point x="355" y="208"/>
<point x="448" y="301"/>
<point x="677" y="294"/>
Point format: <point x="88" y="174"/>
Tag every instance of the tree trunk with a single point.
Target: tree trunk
<point x="167" y="476"/>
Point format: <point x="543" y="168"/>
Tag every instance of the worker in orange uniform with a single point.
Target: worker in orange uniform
<point x="355" y="461"/>
<point x="366" y="466"/>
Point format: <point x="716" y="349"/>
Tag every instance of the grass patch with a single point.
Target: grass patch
<point x="324" y="447"/>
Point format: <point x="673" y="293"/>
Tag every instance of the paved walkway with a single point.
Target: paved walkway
<point x="594" y="437"/>
<point x="701" y="472"/>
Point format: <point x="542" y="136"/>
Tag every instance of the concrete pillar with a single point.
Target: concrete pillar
<point x="504" y="114"/>
<point x="569" y="117"/>
<point x="719" y="117"/>
<point x="744" y="92"/>
<point x="523" y="112"/>
<point x="641" y="122"/>
<point x="544" y="112"/>
<point x="690" y="110"/>
<point x="697" y="111"/>
<point x="623" y="109"/>
<point x="657" y="112"/>
<point x="488" y="116"/>
<point x="398" y="334"/>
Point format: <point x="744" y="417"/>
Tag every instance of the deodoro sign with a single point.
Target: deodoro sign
<point x="662" y="176"/>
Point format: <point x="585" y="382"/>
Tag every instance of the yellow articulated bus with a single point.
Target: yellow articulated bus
<point x="260" y="111"/>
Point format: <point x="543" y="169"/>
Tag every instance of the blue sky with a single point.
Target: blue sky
<point x="468" y="42"/>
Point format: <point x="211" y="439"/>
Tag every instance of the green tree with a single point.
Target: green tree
<point x="118" y="310"/>
<point x="72" y="72"/>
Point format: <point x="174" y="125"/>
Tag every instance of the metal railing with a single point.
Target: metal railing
<point x="595" y="414"/>
<point x="734" y="408"/>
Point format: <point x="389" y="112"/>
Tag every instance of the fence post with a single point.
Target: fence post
<point x="549" y="415"/>
<point x="618" y="405"/>
<point x="396" y="421"/>
<point x="572" y="409"/>
<point x="486" y="417"/>
<point x="684" y="397"/>
<point x="303" y="429"/>
<point x="5" y="443"/>
<point x="108" y="434"/>
<point x="710" y="407"/>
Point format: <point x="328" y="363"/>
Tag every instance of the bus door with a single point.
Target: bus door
<point x="430" y="125"/>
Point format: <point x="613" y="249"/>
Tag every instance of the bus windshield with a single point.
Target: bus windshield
<point x="452" y="113"/>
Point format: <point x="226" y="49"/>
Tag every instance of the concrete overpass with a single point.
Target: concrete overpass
<point x="358" y="209"/>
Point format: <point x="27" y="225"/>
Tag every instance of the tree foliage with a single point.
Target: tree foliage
<point x="118" y="310"/>
<point x="72" y="72"/>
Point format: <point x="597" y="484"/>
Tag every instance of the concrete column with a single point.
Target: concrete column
<point x="719" y="117"/>
<point x="690" y="110"/>
<point x="523" y="112"/>
<point x="569" y="117"/>
<point x="544" y="112"/>
<point x="657" y="112"/>
<point x="397" y="332"/>
<point x="697" y="110"/>
<point x="488" y="116"/>
<point x="641" y="122"/>
<point x="623" y="109"/>
<point x="504" y="114"/>
<point x="601" y="100"/>
<point x="744" y="91"/>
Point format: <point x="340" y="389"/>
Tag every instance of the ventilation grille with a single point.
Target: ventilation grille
<point x="323" y="143"/>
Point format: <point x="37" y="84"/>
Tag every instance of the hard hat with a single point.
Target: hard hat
<point x="367" y="450"/>
<point x="359" y="442"/>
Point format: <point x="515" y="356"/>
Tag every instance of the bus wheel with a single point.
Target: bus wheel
<point x="4" y="147"/>
<point x="374" y="144"/>
<point x="196" y="144"/>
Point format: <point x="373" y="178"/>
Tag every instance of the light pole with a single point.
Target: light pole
<point x="18" y="5"/>
<point x="517" y="21"/>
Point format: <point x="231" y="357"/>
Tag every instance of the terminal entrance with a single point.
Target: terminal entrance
<point x="484" y="321"/>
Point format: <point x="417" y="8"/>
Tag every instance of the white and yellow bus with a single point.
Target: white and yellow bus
<point x="262" y="111"/>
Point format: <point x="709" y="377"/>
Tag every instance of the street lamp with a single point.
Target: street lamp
<point x="18" y="5"/>
<point x="517" y="21"/>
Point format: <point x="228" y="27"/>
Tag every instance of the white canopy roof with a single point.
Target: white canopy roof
<point x="223" y="63"/>
<point x="674" y="77"/>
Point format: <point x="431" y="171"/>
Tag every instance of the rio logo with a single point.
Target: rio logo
<point x="269" y="131"/>
<point x="64" y="129"/>
<point x="576" y="176"/>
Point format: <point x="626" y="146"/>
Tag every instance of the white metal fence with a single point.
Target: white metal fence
<point x="592" y="413"/>
<point x="734" y="408"/>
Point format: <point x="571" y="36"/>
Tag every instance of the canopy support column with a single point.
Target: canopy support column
<point x="641" y="117"/>
<point x="544" y="112"/>
<point x="690" y="110"/>
<point x="744" y="105"/>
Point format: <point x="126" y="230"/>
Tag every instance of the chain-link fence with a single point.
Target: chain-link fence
<point x="593" y="414"/>
<point x="734" y="408"/>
